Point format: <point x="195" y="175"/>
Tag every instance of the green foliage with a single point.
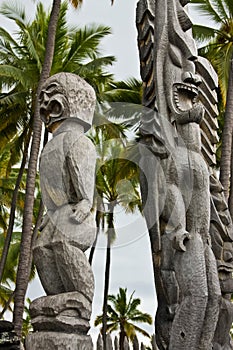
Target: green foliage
<point x="217" y="40"/>
<point x="117" y="176"/>
<point x="123" y="313"/>
<point x="27" y="325"/>
<point x="77" y="50"/>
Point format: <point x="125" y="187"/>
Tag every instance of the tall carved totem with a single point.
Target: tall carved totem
<point x="67" y="178"/>
<point x="189" y="224"/>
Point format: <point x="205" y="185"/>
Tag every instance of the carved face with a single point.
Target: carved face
<point x="223" y="252"/>
<point x="54" y="106"/>
<point x="181" y="86"/>
<point x="66" y="95"/>
<point x="177" y="79"/>
<point x="226" y="264"/>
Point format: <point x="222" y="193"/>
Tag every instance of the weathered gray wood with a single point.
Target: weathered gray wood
<point x="126" y="344"/>
<point x="178" y="141"/>
<point x="142" y="346"/>
<point x="135" y="343"/>
<point x="58" y="341"/>
<point x="116" y="343"/>
<point x="8" y="338"/>
<point x="221" y="230"/>
<point x="153" y="342"/>
<point x="99" y="345"/>
<point x="67" y="175"/>
<point x="109" y="342"/>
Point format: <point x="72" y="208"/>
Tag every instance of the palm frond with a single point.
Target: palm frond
<point x="229" y="5"/>
<point x="219" y="7"/>
<point x="206" y="8"/>
<point x="14" y="12"/>
<point x="203" y="33"/>
<point x="139" y="330"/>
<point x="83" y="42"/>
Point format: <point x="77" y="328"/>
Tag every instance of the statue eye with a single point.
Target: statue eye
<point x="51" y="88"/>
<point x="175" y="56"/>
<point x="55" y="107"/>
<point x="41" y="95"/>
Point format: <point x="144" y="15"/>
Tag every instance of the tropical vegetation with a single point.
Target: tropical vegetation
<point x="116" y="184"/>
<point x="26" y="60"/>
<point x="216" y="42"/>
<point x="122" y="314"/>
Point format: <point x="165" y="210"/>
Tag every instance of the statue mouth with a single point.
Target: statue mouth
<point x="185" y="96"/>
<point x="227" y="268"/>
<point x="45" y="115"/>
<point x="53" y="110"/>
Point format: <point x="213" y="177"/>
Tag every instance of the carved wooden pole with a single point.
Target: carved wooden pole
<point x="67" y="175"/>
<point x="178" y="141"/>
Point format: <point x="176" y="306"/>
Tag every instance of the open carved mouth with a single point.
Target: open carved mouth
<point x="185" y="96"/>
<point x="45" y="115"/>
<point x="227" y="268"/>
<point x="53" y="110"/>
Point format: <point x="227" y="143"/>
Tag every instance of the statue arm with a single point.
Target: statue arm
<point x="81" y="165"/>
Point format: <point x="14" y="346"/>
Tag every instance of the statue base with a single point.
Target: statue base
<point x="8" y="338"/>
<point x="58" y="341"/>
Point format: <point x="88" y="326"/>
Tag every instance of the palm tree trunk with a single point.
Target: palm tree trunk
<point x="230" y="200"/>
<point x="94" y="245"/>
<point x="6" y="306"/>
<point x="13" y="208"/>
<point x="107" y="273"/>
<point x="23" y="271"/>
<point x="225" y="162"/>
<point x="122" y="338"/>
<point x="97" y="220"/>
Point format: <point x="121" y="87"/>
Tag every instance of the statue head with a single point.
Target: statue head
<point x="66" y="95"/>
<point x="177" y="81"/>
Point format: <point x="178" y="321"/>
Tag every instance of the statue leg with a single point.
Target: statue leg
<point x="190" y="269"/>
<point x="173" y="220"/>
<point x="167" y="293"/>
<point x="44" y="260"/>
<point x="174" y="212"/>
<point x="74" y="269"/>
<point x="198" y="219"/>
<point x="213" y="304"/>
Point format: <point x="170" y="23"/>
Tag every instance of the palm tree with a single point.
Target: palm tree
<point x="13" y="201"/>
<point x="116" y="184"/>
<point x="122" y="314"/>
<point x="72" y="49"/>
<point x="123" y="103"/>
<point x="26" y="240"/>
<point x="219" y="50"/>
<point x="7" y="190"/>
<point x="23" y="61"/>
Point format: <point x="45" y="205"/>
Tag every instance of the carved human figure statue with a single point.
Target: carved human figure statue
<point x="175" y="186"/>
<point x="67" y="173"/>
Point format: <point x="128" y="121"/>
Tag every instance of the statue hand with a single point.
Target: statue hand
<point x="44" y="222"/>
<point x="81" y="211"/>
<point x="179" y="240"/>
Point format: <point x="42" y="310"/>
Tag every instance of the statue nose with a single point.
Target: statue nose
<point x="228" y="257"/>
<point x="189" y="77"/>
<point x="46" y="98"/>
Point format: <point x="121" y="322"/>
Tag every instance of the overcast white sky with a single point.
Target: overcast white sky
<point x="131" y="258"/>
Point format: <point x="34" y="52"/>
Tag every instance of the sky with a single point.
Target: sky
<point x="131" y="266"/>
